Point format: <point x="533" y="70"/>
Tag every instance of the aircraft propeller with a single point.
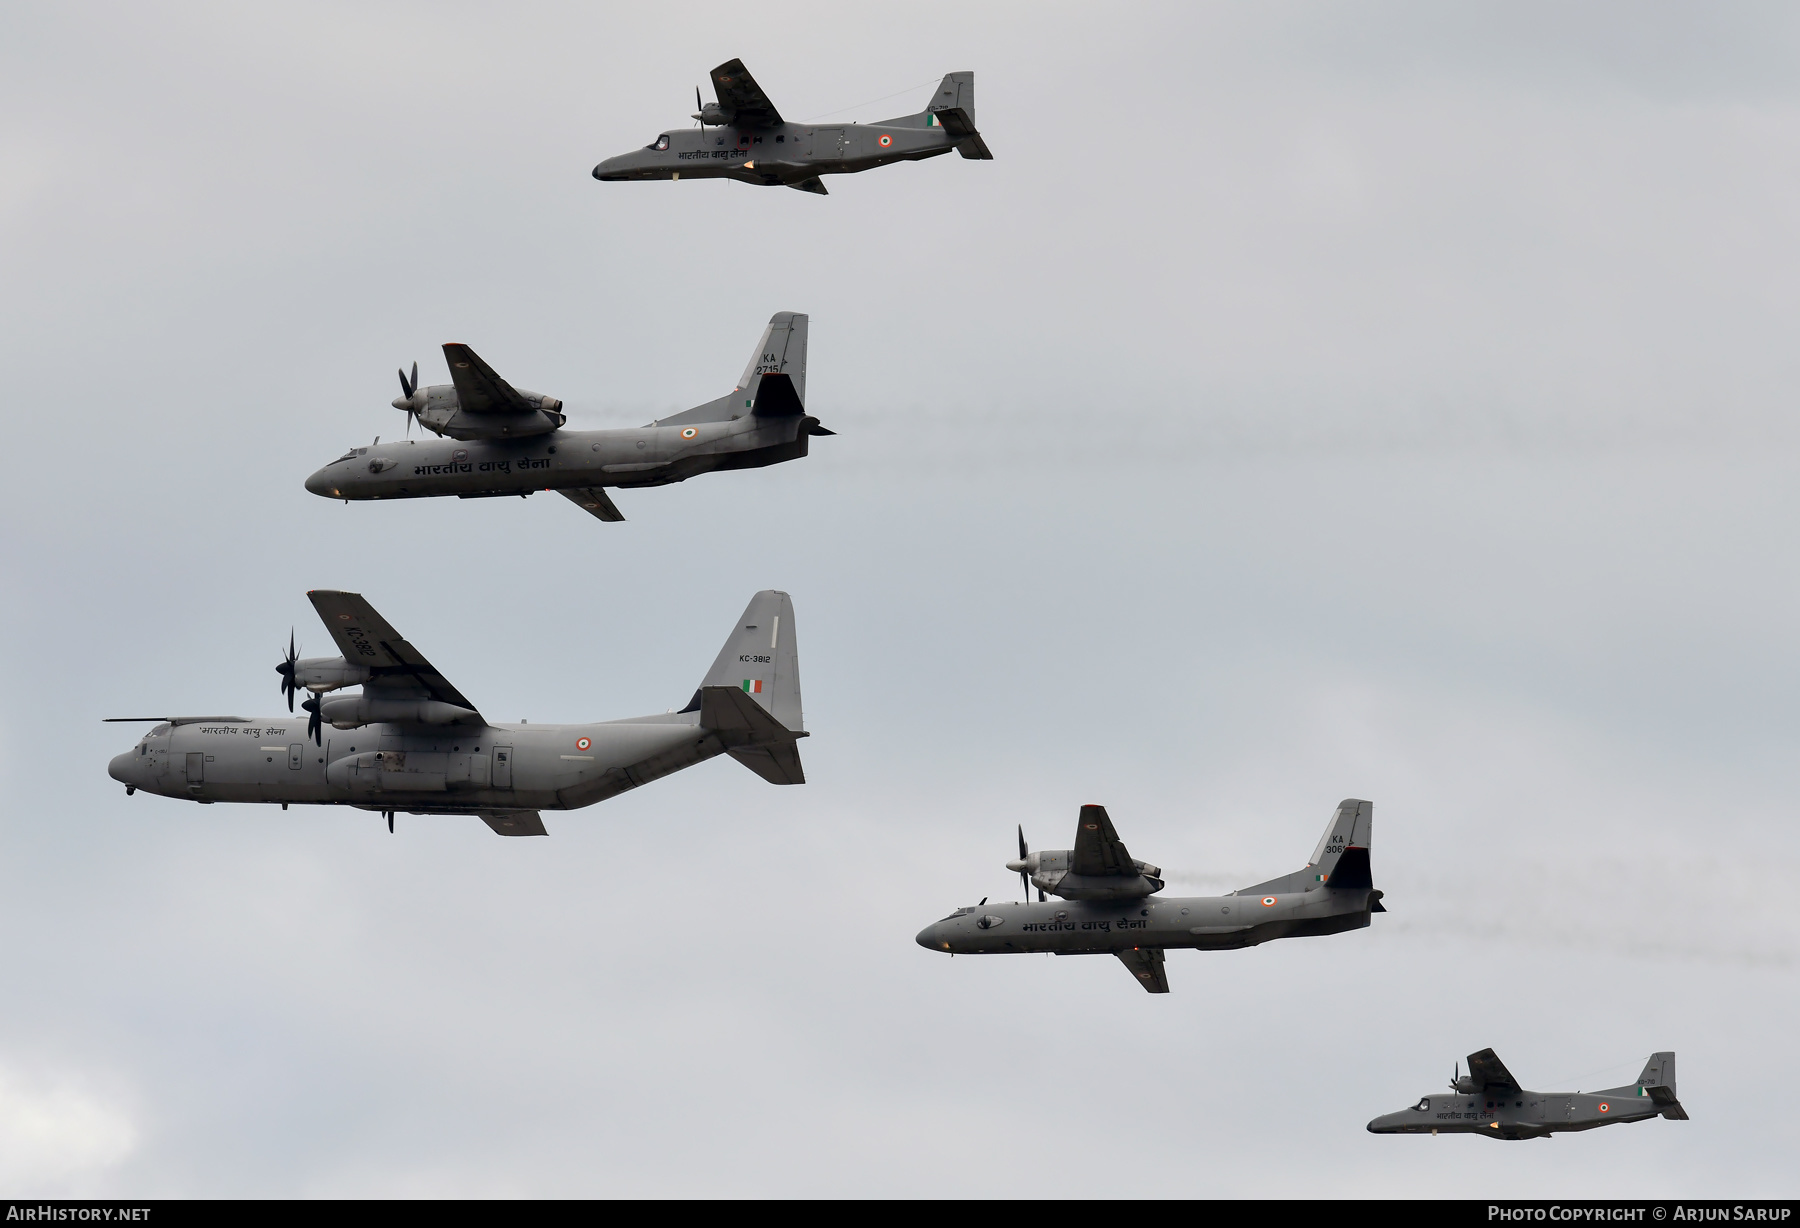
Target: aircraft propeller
<point x="1024" y="852"/>
<point x="315" y="724"/>
<point x="286" y="670"/>
<point x="405" y="399"/>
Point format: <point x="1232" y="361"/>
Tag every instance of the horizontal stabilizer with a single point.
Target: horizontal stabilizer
<point x="776" y="397"/>
<point x="514" y="822"/>
<point x="594" y="500"/>
<point x="1664" y="1099"/>
<point x="751" y="736"/>
<point x="779" y="765"/>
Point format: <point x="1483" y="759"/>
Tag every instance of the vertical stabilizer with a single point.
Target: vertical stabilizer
<point x="1659" y="1071"/>
<point x="762" y="658"/>
<point x="783" y="349"/>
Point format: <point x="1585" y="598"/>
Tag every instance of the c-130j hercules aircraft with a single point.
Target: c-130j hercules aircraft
<point x="1110" y="912"/>
<point x="509" y="441"/>
<point x="410" y="740"/>
<point x="1488" y="1101"/>
<point x="742" y="136"/>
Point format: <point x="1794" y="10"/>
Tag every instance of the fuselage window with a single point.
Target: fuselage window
<point x="662" y="142"/>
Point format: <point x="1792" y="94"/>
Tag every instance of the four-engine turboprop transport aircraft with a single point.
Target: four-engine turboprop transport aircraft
<point x="742" y="136"/>
<point x="1110" y="911"/>
<point x="504" y="440"/>
<point x="1488" y="1101"/>
<point x="411" y="741"/>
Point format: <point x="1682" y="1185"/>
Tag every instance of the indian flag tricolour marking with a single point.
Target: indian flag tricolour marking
<point x="753" y="686"/>
<point x="931" y="122"/>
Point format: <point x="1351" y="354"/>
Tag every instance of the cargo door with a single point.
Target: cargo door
<point x="503" y="767"/>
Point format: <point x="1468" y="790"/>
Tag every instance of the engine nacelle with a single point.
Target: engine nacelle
<point x="1049" y="871"/>
<point x="321" y="674"/>
<point x="355" y="711"/>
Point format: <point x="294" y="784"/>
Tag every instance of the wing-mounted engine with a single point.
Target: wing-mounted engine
<point x="1097" y="868"/>
<point x="355" y="711"/>
<point x="477" y="404"/>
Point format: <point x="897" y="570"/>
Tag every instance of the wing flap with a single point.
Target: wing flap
<point x="1098" y="850"/>
<point x="479" y="388"/>
<point x="594" y="500"/>
<point x="1146" y="964"/>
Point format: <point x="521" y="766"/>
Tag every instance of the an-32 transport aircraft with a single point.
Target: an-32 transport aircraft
<point x="409" y="740"/>
<point x="1110" y="911"/>
<point x="495" y="439"/>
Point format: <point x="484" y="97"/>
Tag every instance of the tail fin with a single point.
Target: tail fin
<point x="762" y="659"/>
<point x="1340" y="860"/>
<point x="783" y="349"/>
<point x="1658" y="1084"/>
<point x="953" y="108"/>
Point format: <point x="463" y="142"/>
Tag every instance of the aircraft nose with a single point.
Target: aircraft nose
<point x="320" y="483"/>
<point x="123" y="768"/>
<point x="613" y="168"/>
<point x="932" y="939"/>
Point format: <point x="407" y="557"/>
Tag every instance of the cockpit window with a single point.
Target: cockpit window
<point x="1422" y="1105"/>
<point x="961" y="912"/>
<point x="661" y="142"/>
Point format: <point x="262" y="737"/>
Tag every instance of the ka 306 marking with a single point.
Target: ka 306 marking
<point x="1111" y="913"/>
<point x="1488" y="1101"/>
<point x="742" y="136"/>
<point x="504" y="440"/>
<point x="410" y="741"/>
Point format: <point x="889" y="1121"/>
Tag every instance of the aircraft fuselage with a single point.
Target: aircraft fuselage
<point x="451" y="768"/>
<point x="1519" y="1114"/>
<point x="1078" y="927"/>
<point x="561" y="459"/>
<point x="782" y="154"/>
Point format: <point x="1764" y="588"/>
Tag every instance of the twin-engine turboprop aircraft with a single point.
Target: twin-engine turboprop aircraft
<point x="742" y="136"/>
<point x="1110" y="912"/>
<point x="504" y="440"/>
<point x="1488" y="1101"/>
<point x="411" y="741"/>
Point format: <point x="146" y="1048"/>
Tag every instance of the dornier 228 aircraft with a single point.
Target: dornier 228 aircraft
<point x="742" y="136"/>
<point x="1488" y="1101"/>
<point x="1110" y="911"/>
<point x="508" y="441"/>
<point x="411" y="741"/>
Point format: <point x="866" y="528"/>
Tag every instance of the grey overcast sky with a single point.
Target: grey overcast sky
<point x="1311" y="400"/>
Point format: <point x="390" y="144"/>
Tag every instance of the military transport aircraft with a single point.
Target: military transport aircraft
<point x="411" y="741"/>
<point x="1111" y="912"/>
<point x="1488" y="1101"/>
<point x="508" y="441"/>
<point x="742" y="136"/>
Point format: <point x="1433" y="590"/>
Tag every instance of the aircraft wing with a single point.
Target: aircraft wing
<point x="594" y="500"/>
<point x="396" y="668"/>
<point x="1146" y="964"/>
<point x="1487" y="1069"/>
<point x="739" y="94"/>
<point x="514" y="822"/>
<point x="1098" y="850"/>
<point x="478" y="388"/>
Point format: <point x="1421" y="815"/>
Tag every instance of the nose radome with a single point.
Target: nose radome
<point x="319" y="483"/>
<point x="928" y="938"/>
<point x="120" y="769"/>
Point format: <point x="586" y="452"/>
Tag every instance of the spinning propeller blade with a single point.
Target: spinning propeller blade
<point x="1024" y="877"/>
<point x="286" y="670"/>
<point x="315" y="724"/>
